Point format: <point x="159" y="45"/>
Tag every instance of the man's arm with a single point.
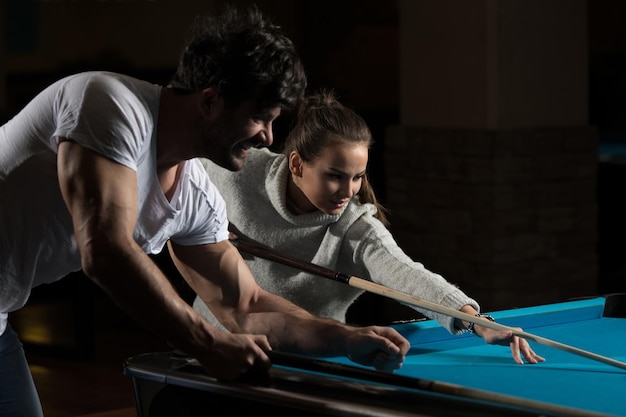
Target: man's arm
<point x="101" y="196"/>
<point x="220" y="276"/>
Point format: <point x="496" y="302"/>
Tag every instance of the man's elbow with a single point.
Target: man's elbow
<point x="100" y="258"/>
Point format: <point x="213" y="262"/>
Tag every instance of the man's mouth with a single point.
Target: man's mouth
<point x="250" y="143"/>
<point x="244" y="147"/>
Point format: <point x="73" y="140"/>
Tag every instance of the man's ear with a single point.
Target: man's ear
<point x="211" y="103"/>
<point x="295" y="164"/>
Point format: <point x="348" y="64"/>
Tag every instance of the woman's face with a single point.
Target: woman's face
<point x="329" y="182"/>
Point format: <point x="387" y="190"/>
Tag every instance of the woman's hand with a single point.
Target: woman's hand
<point x="519" y="346"/>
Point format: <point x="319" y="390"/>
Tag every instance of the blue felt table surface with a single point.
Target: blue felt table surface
<point x="564" y="379"/>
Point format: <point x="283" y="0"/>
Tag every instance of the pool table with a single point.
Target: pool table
<point x="443" y="375"/>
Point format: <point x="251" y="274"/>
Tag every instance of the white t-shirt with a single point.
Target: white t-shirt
<point x="113" y="115"/>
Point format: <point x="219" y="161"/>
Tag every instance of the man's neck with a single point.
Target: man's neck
<point x="175" y="129"/>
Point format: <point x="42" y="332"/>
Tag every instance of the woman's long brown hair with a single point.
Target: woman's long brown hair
<point x="322" y="121"/>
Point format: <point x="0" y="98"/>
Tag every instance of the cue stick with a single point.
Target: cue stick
<point x="353" y="281"/>
<point x="333" y="368"/>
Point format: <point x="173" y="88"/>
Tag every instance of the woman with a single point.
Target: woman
<point x="314" y="202"/>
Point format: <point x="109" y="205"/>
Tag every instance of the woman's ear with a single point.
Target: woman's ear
<point x="295" y="164"/>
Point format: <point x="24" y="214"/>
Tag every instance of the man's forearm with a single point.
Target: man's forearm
<point x="137" y="285"/>
<point x="291" y="328"/>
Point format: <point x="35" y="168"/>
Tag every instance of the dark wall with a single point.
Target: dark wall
<point x="607" y="112"/>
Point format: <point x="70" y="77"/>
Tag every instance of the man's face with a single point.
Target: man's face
<point x="235" y="130"/>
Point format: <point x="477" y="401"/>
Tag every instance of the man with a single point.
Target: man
<point x="99" y="170"/>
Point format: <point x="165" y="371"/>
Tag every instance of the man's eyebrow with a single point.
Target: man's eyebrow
<point x="265" y="114"/>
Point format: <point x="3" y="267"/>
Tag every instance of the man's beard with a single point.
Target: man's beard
<point x="226" y="154"/>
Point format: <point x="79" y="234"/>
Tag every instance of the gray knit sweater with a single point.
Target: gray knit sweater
<point x="354" y="242"/>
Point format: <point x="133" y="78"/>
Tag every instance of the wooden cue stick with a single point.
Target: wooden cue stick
<point x="318" y="365"/>
<point x="353" y="281"/>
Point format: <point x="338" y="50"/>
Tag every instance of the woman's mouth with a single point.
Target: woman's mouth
<point x="339" y="204"/>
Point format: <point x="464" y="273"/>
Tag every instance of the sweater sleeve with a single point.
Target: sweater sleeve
<point x="374" y="247"/>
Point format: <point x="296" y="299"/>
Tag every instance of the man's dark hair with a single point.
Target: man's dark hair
<point x="244" y="56"/>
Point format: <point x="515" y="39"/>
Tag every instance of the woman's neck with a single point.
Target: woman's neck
<point x="297" y="202"/>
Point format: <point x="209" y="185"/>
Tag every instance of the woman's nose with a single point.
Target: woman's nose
<point x="348" y="189"/>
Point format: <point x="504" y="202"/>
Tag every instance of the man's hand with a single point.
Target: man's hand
<point x="381" y="347"/>
<point x="235" y="354"/>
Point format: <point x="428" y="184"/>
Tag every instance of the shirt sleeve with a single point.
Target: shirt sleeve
<point x="103" y="114"/>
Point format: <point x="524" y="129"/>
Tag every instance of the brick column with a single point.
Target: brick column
<point x="491" y="173"/>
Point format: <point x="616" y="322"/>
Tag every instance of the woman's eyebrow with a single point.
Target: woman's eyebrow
<point x="338" y="171"/>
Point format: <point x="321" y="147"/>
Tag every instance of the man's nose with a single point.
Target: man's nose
<point x="266" y="137"/>
<point x="269" y="136"/>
